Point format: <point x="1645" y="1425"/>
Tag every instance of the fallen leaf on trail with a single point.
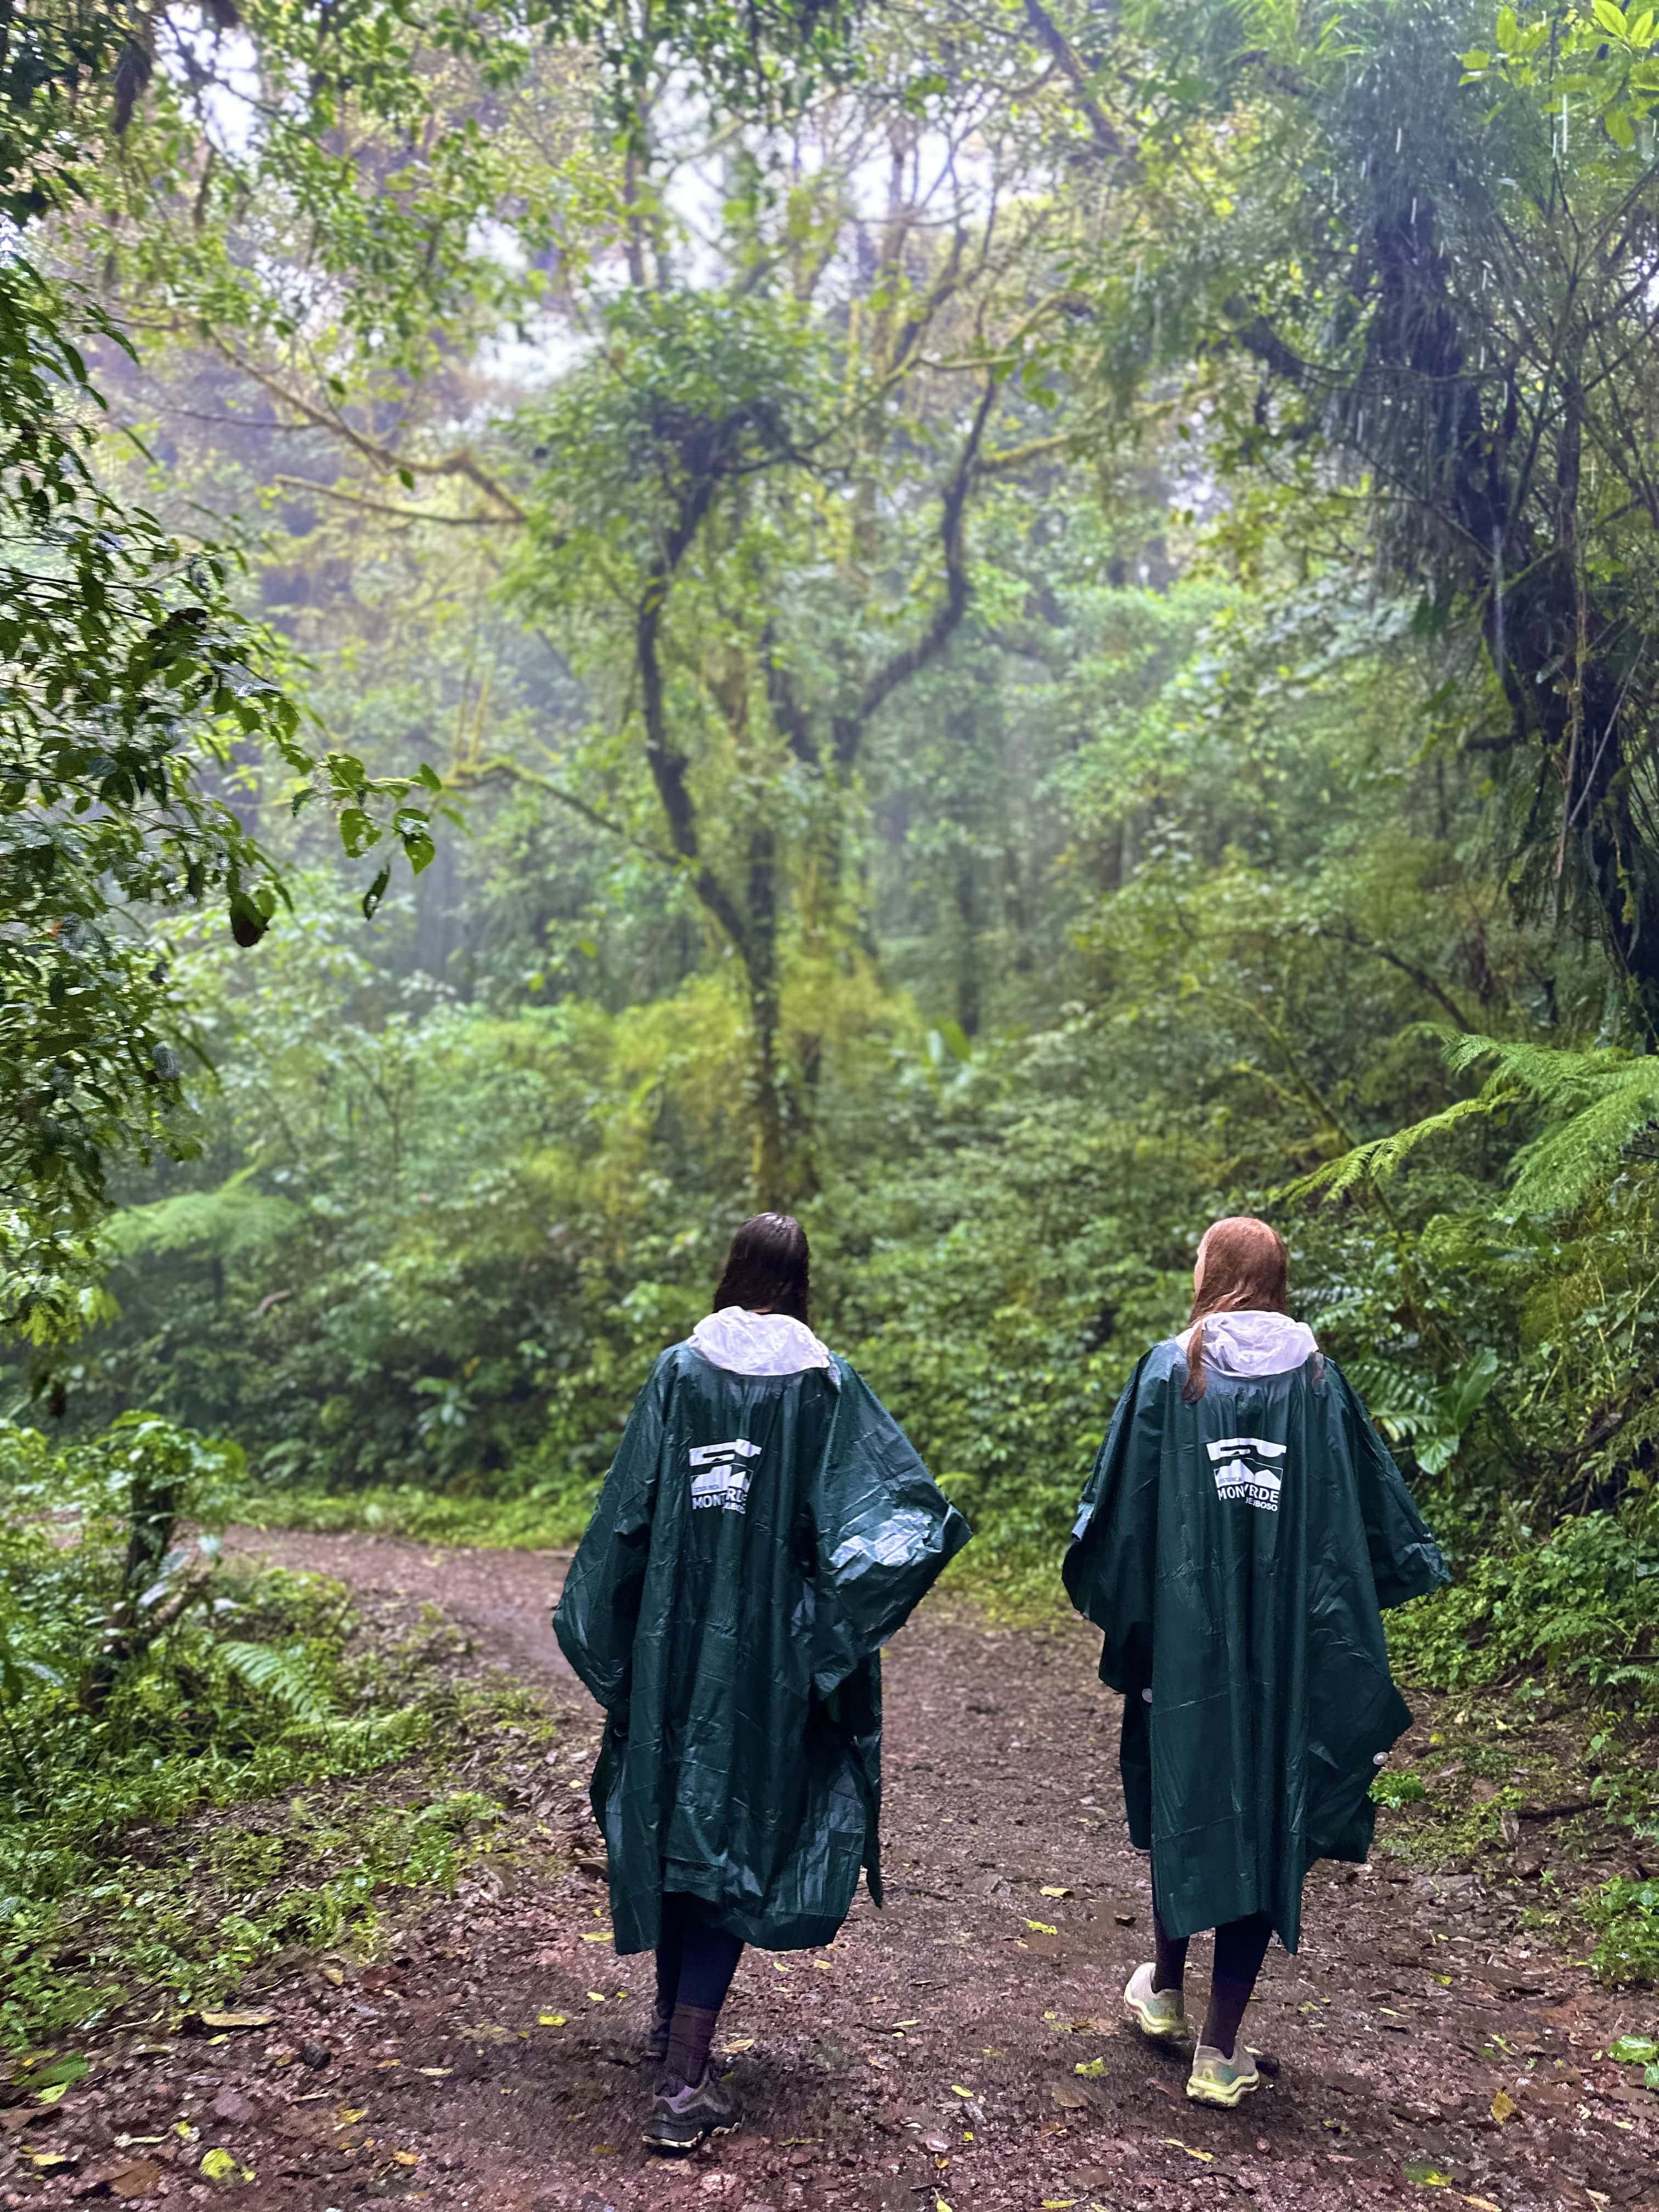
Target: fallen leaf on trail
<point x="220" y="2165"/>
<point x="333" y="1975"/>
<point x="957" y="2087"/>
<point x="1050" y="1890"/>
<point x="605" y="2150"/>
<point x="67" y="2070"/>
<point x="738" y="2043"/>
<point x="604" y="1937"/>
<point x="348" y="2115"/>
<point x="58" y="2089"/>
<point x="1503" y="2107"/>
<point x="1041" y="1928"/>
<point x="1068" y="2096"/>
<point x="140" y="2177"/>
<point x="1483" y="2205"/>
<point x="550" y="2019"/>
<point x="1207" y="2157"/>
<point x="488" y="2030"/>
<point x="1092" y="2067"/>
<point x="211" y="2023"/>
<point x="822" y="1966"/>
<point x="1427" y="2176"/>
<point x="597" y="1995"/>
<point x="939" y="2205"/>
<point x="1058" y="2204"/>
<point x="50" y="2161"/>
<point x="407" y="2157"/>
<point x="436" y="2072"/>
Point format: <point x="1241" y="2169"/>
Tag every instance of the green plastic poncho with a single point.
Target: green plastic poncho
<point x="758" y="1539"/>
<point x="1237" y="1552"/>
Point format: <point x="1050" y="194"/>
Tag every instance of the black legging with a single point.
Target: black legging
<point x="1240" y="1947"/>
<point x="696" y="1961"/>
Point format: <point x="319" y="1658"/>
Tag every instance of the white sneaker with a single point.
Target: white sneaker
<point x="1160" y="2014"/>
<point x="1217" y="2081"/>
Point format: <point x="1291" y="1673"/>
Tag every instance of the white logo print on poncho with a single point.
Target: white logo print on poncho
<point x="717" y="1480"/>
<point x="1245" y="1467"/>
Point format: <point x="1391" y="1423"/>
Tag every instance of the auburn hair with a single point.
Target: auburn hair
<point x="769" y="1266"/>
<point x="1246" y="1269"/>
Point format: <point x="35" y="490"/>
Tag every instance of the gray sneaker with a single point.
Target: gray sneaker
<point x="684" y="2116"/>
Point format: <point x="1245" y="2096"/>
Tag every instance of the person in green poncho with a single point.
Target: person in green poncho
<point x="764" y="1529"/>
<point x="1242" y="1533"/>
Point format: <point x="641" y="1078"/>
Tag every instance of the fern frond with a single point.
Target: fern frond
<point x="1561" y="1168"/>
<point x="1595" y="1104"/>
<point x="1382" y="1157"/>
<point x="282" y="1676"/>
<point x="231" y="1220"/>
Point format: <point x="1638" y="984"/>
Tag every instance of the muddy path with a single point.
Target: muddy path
<point x="964" y="2048"/>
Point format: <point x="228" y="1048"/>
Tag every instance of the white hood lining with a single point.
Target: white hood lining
<point x="1250" y="1343"/>
<point x="745" y="1343"/>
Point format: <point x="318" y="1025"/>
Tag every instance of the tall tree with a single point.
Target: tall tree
<point x="790" y="350"/>
<point x="1410" y="249"/>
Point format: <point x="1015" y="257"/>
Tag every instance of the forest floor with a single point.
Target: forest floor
<point x="964" y="2048"/>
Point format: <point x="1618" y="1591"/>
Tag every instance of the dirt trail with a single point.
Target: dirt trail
<point x="962" y="2048"/>
<point x="503" y="1599"/>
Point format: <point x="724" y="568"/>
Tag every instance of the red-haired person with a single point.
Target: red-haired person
<point x="764" y="1530"/>
<point x="1242" y="1533"/>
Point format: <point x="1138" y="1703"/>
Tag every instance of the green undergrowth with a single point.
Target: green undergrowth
<point x="203" y="1763"/>
<point x="533" y="1523"/>
<point x="1541" y="1763"/>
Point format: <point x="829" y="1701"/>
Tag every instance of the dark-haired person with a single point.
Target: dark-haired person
<point x="1244" y="1529"/>
<point x="764" y="1529"/>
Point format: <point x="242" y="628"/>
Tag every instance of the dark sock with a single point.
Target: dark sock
<point x="1240" y="1947"/>
<point x="1169" y="1962"/>
<point x="689" y="2040"/>
<point x="707" y="1959"/>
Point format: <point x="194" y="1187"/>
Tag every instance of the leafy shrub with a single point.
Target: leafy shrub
<point x="1580" y="1606"/>
<point x="1397" y="1789"/>
<point x="141" y="1681"/>
<point x="1625" y="1914"/>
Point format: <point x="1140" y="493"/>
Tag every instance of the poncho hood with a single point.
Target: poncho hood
<point x="1253" y="1343"/>
<point x="745" y="1343"/>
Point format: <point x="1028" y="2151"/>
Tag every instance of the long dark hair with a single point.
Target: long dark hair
<point x="1246" y="1270"/>
<point x="768" y="1266"/>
